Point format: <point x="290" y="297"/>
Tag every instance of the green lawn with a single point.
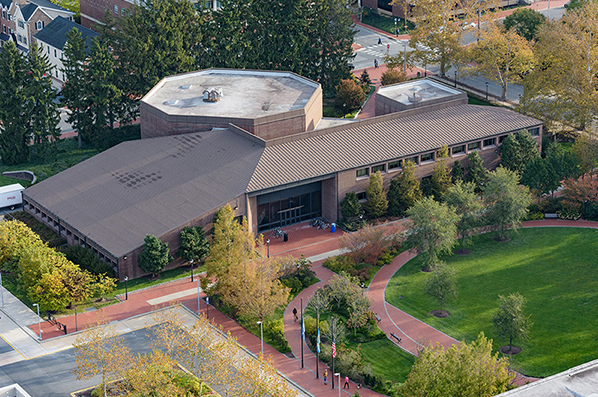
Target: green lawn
<point x="387" y="359"/>
<point x="383" y="22"/>
<point x="555" y="269"/>
<point x="472" y="100"/>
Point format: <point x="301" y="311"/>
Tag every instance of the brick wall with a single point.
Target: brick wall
<point x="95" y="10"/>
<point x="329" y="199"/>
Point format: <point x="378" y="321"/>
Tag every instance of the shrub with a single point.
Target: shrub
<point x="350" y="207"/>
<point x="387" y="256"/>
<point x="534" y="216"/>
<point x="339" y="263"/>
<point x="349" y="95"/>
<point x="367" y="244"/>
<point x="275" y="330"/>
<point x="86" y="259"/>
<point x="296" y="274"/>
<point x="393" y="76"/>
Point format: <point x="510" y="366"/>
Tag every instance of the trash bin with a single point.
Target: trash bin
<point x="286" y="237"/>
<point x="333" y="228"/>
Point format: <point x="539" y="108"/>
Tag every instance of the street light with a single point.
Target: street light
<point x="1" y="292"/>
<point x="126" y="288"/>
<point x="268" y="245"/>
<point x="261" y="336"/>
<point x="455" y="79"/>
<point x="39" y="326"/>
<point x="339" y="383"/>
<point x="191" y="262"/>
<point x="486" y="91"/>
<point x="198" y="297"/>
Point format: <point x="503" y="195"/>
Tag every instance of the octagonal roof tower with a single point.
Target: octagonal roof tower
<point x="269" y="104"/>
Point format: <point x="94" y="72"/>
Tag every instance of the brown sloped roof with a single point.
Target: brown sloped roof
<point x="383" y="138"/>
<point x="149" y="186"/>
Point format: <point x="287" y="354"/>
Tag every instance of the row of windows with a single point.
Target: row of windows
<point x="55" y="53"/>
<point x="122" y="10"/>
<point x="56" y="225"/>
<point x="429" y="157"/>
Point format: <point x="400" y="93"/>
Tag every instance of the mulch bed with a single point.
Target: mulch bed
<point x="443" y="314"/>
<point x="510" y="350"/>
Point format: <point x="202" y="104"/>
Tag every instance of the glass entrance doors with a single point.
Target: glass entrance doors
<point x="289" y="206"/>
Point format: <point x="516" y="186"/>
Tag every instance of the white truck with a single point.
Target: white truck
<point x="11" y="196"/>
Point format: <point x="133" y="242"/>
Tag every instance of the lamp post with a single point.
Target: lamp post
<point x="39" y="326"/>
<point x="339" y="383"/>
<point x="268" y="245"/>
<point x="76" y="329"/>
<point x="191" y="262"/>
<point x="1" y="292"/>
<point x="261" y="336"/>
<point x="405" y="58"/>
<point x="486" y="91"/>
<point x="126" y="288"/>
<point x="198" y="296"/>
<point x="455" y="79"/>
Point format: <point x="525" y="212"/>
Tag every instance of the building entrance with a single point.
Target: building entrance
<point x="289" y="206"/>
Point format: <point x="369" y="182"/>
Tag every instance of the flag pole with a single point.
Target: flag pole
<point x="302" y="334"/>
<point x="333" y="349"/>
<point x="318" y="344"/>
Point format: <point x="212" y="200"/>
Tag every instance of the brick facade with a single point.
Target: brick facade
<point x="93" y="11"/>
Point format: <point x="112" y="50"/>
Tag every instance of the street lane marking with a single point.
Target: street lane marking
<point x="173" y="296"/>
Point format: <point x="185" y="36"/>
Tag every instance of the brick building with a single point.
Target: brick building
<point x="281" y="163"/>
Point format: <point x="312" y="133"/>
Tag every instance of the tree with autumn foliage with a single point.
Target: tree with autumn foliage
<point x="563" y="86"/>
<point x="100" y="351"/>
<point x="501" y="56"/>
<point x="368" y="243"/>
<point x="349" y="96"/>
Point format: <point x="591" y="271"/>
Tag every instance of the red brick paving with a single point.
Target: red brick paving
<point x="412" y="331"/>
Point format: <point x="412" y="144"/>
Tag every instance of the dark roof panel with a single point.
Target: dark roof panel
<point x="55" y="32"/>
<point x="27" y="10"/>
<point x="150" y="186"/>
<point x="48" y="4"/>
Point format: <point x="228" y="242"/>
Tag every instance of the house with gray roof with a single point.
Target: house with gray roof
<point x="52" y="40"/>
<point x="264" y="149"/>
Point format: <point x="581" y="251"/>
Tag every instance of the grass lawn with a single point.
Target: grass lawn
<point x="387" y="359"/>
<point x="383" y="22"/>
<point x="555" y="269"/>
<point x="472" y="100"/>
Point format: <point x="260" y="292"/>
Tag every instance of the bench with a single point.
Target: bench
<point x="378" y="318"/>
<point x="396" y="337"/>
<point x="551" y="216"/>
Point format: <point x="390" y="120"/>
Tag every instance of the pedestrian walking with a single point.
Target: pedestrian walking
<point x="379" y="40"/>
<point x="295" y="313"/>
<point x="376" y="63"/>
<point x="325" y="374"/>
<point x="346" y="383"/>
<point x="397" y="31"/>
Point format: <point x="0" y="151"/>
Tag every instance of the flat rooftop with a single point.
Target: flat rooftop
<point x="245" y="93"/>
<point x="418" y="91"/>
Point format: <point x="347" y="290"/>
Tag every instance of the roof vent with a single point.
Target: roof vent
<point x="171" y="102"/>
<point x="212" y="94"/>
<point x="186" y="86"/>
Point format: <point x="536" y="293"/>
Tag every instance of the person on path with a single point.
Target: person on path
<point x="346" y="383"/>
<point x="379" y="40"/>
<point x="376" y="63"/>
<point x="397" y="31"/>
<point x="295" y="313"/>
<point x="325" y="374"/>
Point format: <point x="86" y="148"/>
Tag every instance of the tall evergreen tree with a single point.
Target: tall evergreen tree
<point x="14" y="139"/>
<point x="377" y="203"/>
<point x="441" y="179"/>
<point x="476" y="172"/>
<point x="43" y="120"/>
<point x="155" y="255"/>
<point x="103" y="97"/>
<point x="194" y="244"/>
<point x="457" y="171"/>
<point x="528" y="148"/>
<point x="350" y="207"/>
<point x="74" y="90"/>
<point x="408" y="186"/>
<point x="517" y="150"/>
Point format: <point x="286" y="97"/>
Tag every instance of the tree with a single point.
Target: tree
<point x="152" y="375"/>
<point x="501" y="56"/>
<point x="579" y="192"/>
<point x="509" y="320"/>
<point x="99" y="351"/>
<point x="377" y="203"/>
<point x="442" y="284"/>
<point x="441" y="178"/>
<point x="517" y="150"/>
<point x="457" y="171"/>
<point x="365" y="78"/>
<point x="433" y="231"/>
<point x="476" y="172"/>
<point x="464" y="369"/>
<point x="41" y="108"/>
<point x="405" y="189"/>
<point x="350" y="207"/>
<point x="14" y="136"/>
<point x="254" y="288"/>
<point x="545" y="174"/>
<point x="349" y="96"/>
<point x="525" y="22"/>
<point x="393" y="76"/>
<point x="567" y="47"/>
<point x="232" y="245"/>
<point x="155" y="255"/>
<point x="344" y="289"/>
<point x="194" y="244"/>
<point x="585" y="150"/>
<point x="367" y="244"/>
<point x="506" y="201"/>
<point x="463" y="198"/>
<point x="436" y="38"/>
<point x="73" y="92"/>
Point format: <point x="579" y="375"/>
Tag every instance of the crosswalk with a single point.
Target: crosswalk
<point x="381" y="49"/>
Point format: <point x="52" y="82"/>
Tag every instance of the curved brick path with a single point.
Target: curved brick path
<point x="413" y="332"/>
